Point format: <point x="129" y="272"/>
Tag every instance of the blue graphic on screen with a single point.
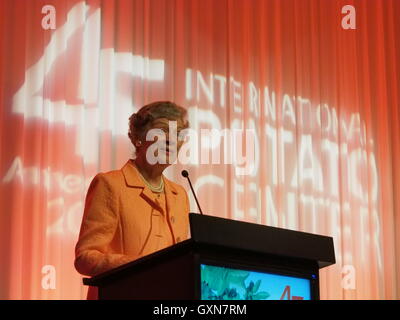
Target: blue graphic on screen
<point x="221" y="283"/>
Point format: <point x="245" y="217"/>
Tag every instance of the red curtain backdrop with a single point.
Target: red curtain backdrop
<point x="322" y="100"/>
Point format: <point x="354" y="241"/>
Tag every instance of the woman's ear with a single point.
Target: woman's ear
<point x="138" y="143"/>
<point x="136" y="140"/>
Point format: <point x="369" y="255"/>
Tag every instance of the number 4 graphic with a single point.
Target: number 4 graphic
<point x="286" y="292"/>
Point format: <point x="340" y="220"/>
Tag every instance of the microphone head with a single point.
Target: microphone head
<point x="185" y="173"/>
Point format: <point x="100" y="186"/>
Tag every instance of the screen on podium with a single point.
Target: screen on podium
<point x="227" y="283"/>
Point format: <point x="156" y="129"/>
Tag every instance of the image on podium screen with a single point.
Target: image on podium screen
<point x="232" y="282"/>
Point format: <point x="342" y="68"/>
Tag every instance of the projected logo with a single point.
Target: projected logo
<point x="94" y="98"/>
<point x="314" y="161"/>
<point x="99" y="96"/>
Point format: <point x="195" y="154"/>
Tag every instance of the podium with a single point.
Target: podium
<point x="224" y="259"/>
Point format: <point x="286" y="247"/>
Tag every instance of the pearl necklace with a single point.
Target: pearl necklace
<point x="158" y="189"/>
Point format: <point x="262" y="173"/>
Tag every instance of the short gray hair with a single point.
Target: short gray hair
<point x="142" y="120"/>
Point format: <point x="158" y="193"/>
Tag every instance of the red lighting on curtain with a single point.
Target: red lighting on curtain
<point x="316" y="80"/>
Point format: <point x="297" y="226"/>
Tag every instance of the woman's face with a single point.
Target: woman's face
<point x="167" y="144"/>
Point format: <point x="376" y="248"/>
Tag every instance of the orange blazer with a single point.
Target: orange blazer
<point x="124" y="221"/>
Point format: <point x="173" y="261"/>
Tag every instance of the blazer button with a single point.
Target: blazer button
<point x="172" y="219"/>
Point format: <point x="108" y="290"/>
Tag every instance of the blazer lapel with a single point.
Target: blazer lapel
<point x="133" y="179"/>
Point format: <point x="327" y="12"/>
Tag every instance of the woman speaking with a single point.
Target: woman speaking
<point x="135" y="211"/>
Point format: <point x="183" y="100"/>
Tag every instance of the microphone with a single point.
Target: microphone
<point x="186" y="175"/>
